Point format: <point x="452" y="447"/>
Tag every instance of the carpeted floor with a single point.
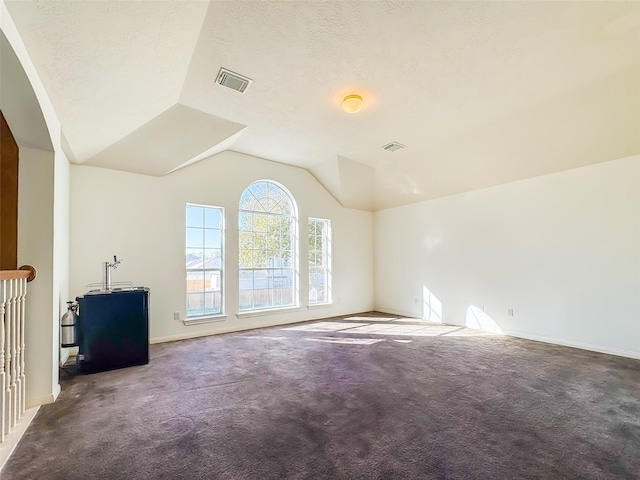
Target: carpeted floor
<point x="366" y="397"/>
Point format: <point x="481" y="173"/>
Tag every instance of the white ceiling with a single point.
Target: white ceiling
<point x="481" y="93"/>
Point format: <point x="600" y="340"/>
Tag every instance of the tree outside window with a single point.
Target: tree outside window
<point x="267" y="226"/>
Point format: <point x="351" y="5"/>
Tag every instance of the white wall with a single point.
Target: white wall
<point x="43" y="241"/>
<point x="62" y="178"/>
<point x="561" y="250"/>
<point x="141" y="219"/>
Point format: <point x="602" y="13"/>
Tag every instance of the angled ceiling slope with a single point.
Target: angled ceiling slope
<point x="173" y="139"/>
<point x="350" y="182"/>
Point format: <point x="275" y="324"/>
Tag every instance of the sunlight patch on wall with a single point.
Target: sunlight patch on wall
<point x="478" y="319"/>
<point x="431" y="306"/>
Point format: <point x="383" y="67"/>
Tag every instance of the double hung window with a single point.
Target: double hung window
<point x="204" y="260"/>
<point x="319" y="260"/>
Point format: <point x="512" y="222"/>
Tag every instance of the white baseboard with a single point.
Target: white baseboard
<point x="235" y="328"/>
<point x="393" y="311"/>
<point x="44" y="399"/>
<point x="56" y="393"/>
<point x="239" y="327"/>
<point x="581" y="346"/>
<point x="539" y="338"/>
<point x="65" y="353"/>
<point x="64" y="356"/>
<point x="11" y="441"/>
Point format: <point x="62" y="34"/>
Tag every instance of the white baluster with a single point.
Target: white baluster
<point x="16" y="361"/>
<point x="23" y="377"/>
<point x="13" y="292"/>
<point x="7" y="358"/>
<point x="3" y="299"/>
<point x="14" y="358"/>
<point x="18" y="364"/>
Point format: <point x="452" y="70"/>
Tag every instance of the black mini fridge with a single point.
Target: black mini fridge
<point x="113" y="328"/>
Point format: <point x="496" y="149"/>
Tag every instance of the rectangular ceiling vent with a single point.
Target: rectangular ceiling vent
<point x="393" y="146"/>
<point x="233" y="80"/>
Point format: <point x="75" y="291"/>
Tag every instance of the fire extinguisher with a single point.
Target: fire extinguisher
<point x="69" y="326"/>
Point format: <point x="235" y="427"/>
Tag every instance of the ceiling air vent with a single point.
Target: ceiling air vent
<point x="233" y="80"/>
<point x="393" y="146"/>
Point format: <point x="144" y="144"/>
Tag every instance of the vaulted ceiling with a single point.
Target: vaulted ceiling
<point x="481" y="93"/>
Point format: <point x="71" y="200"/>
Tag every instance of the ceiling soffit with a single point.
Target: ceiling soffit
<point x="171" y="140"/>
<point x="350" y="182"/>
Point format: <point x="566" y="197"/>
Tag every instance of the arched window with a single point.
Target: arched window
<point x="268" y="226"/>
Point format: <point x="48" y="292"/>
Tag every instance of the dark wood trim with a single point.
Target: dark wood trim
<point x="31" y="270"/>
<point x="8" y="198"/>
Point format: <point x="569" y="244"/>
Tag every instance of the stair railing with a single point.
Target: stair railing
<point x="13" y="382"/>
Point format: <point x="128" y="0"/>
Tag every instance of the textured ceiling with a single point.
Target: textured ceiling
<point x="481" y="93"/>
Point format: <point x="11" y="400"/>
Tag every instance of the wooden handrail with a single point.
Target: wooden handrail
<point x="11" y="274"/>
<point x="26" y="271"/>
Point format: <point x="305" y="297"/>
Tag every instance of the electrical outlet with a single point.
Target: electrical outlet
<point x="176" y="316"/>
<point x="510" y="312"/>
<point x="482" y="308"/>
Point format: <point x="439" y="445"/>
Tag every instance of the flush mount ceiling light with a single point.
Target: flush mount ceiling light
<point x="352" y="103"/>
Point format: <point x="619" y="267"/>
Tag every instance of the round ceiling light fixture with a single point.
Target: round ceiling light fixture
<point x="352" y="103"/>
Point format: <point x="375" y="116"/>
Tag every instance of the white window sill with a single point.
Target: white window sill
<point x="270" y="311"/>
<point x="315" y="306"/>
<point x="206" y="319"/>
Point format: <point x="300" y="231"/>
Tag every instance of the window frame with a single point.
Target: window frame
<point x="244" y="311"/>
<point x="327" y="260"/>
<point x="221" y="270"/>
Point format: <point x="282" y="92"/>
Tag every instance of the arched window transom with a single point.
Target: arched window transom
<point x="267" y="223"/>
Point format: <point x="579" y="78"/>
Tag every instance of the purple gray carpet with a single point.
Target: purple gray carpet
<point x="361" y="398"/>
